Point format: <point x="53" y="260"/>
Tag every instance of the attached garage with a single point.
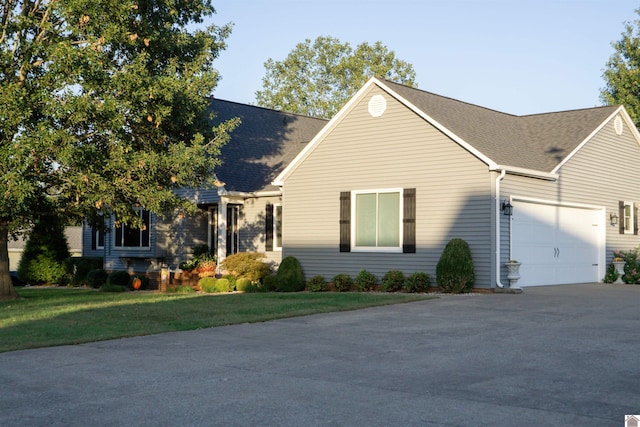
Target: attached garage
<point x="557" y="244"/>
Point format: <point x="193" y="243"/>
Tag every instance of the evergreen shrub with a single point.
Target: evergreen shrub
<point x="120" y="278"/>
<point x="96" y="278"/>
<point x="392" y="281"/>
<point x="454" y="271"/>
<point x="317" y="284"/>
<point x="417" y="282"/>
<point x="342" y="282"/>
<point x="289" y="277"/>
<point x="365" y="281"/>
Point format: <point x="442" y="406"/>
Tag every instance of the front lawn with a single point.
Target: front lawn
<point x="46" y="317"/>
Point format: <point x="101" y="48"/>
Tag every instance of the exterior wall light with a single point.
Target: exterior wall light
<point x="507" y="208"/>
<point x="613" y="218"/>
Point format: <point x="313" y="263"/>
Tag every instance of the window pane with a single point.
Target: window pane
<point x="627" y="217"/>
<point x="366" y="219"/>
<point x="389" y="219"/>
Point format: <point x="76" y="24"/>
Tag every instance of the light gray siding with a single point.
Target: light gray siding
<point x="397" y="150"/>
<point x="178" y="235"/>
<point x="252" y="227"/>
<point x="593" y="176"/>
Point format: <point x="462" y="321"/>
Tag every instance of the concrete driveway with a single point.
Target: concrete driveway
<point x="552" y="356"/>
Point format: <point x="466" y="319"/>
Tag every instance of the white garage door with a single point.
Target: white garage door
<point x="557" y="244"/>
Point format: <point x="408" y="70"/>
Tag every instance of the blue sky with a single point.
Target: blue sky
<point x="516" y="56"/>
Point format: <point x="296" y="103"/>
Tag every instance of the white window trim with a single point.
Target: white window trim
<point x="378" y="249"/>
<point x="631" y="217"/>
<point x="277" y="246"/>
<point x="133" y="248"/>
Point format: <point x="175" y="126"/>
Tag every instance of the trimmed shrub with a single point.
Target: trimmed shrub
<point x="45" y="253"/>
<point x="392" y="281"/>
<point x="247" y="264"/>
<point x="242" y="284"/>
<point x="232" y="280"/>
<point x="342" y="282"/>
<point x="365" y="281"/>
<point x="112" y="288"/>
<point x="96" y="278"/>
<point x="223" y="285"/>
<point x="80" y="268"/>
<point x="208" y="284"/>
<point x="317" y="284"/>
<point x="269" y="284"/>
<point x="253" y="288"/>
<point x="290" y="277"/>
<point x="120" y="278"/>
<point x="417" y="282"/>
<point x="454" y="271"/>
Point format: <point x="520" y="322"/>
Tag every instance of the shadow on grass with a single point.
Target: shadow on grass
<point x="49" y="317"/>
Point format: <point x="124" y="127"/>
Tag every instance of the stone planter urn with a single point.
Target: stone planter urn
<point x="513" y="272"/>
<point x="619" y="265"/>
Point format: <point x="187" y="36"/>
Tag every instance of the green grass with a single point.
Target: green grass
<point x="48" y="317"/>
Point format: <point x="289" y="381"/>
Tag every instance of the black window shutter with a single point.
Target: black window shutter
<point x="635" y="219"/>
<point x="268" y="232"/>
<point x="621" y="217"/>
<point x="345" y="221"/>
<point x="93" y="238"/>
<point x="409" y="221"/>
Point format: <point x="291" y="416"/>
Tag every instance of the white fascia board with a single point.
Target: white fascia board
<point x="306" y="151"/>
<point x="625" y="116"/>
<point x="531" y="173"/>
<point x="492" y="165"/>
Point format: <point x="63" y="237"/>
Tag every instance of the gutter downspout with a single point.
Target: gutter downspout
<point x="497" y="219"/>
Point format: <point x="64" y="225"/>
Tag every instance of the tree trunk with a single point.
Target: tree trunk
<point x="6" y="287"/>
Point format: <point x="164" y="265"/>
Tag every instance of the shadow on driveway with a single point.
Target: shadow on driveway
<point x="556" y="355"/>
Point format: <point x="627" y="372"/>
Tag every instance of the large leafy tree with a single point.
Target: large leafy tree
<point x="317" y="78"/>
<point x="103" y="107"/>
<point x="622" y="72"/>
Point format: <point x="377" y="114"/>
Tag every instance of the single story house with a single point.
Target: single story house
<point x="244" y="213"/>
<point x="399" y="172"/>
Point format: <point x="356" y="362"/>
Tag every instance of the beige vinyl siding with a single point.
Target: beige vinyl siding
<point x="591" y="177"/>
<point x="397" y="150"/>
<point x="252" y="227"/>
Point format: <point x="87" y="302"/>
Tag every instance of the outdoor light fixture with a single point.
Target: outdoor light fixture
<point x="613" y="218"/>
<point x="507" y="208"/>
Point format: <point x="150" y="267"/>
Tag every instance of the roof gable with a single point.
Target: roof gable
<point x="264" y="143"/>
<point x="534" y="144"/>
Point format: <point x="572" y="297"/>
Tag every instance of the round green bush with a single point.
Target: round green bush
<point x="417" y="282"/>
<point x="120" y="278"/>
<point x="96" y="278"/>
<point x="454" y="271"/>
<point x="342" y="282"/>
<point x="82" y="267"/>
<point x="317" y="284"/>
<point x="290" y="277"/>
<point x="242" y="284"/>
<point x="223" y="285"/>
<point x="392" y="281"/>
<point x="365" y="281"/>
<point x="208" y="284"/>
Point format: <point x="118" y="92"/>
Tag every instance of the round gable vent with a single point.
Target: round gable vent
<point x="377" y="105"/>
<point x="617" y="125"/>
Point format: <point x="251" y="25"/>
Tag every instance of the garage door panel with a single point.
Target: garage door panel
<point x="556" y="244"/>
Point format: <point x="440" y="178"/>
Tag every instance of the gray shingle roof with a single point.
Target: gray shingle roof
<point x="263" y="144"/>
<point x="539" y="142"/>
